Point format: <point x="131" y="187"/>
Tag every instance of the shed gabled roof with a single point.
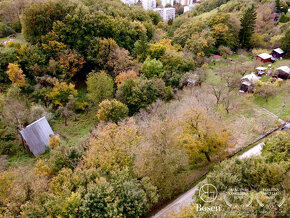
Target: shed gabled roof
<point x="285" y="69"/>
<point x="265" y="56"/>
<point x="279" y="50"/>
<point x="252" y="78"/>
<point x="261" y="68"/>
<point x="36" y="136"/>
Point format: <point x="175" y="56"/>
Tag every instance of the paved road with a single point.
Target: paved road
<point x="188" y="197"/>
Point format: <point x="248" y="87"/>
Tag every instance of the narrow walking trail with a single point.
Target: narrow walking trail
<point x="188" y="197"/>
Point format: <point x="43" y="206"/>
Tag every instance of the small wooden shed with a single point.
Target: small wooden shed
<point x="248" y="82"/>
<point x="282" y="72"/>
<point x="265" y="58"/>
<point x="261" y="70"/>
<point x="278" y="53"/>
<point x="36" y="136"/>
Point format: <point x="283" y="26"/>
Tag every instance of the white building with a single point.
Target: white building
<point x="166" y="2"/>
<point x="190" y="7"/>
<point x="166" y="13"/>
<point x="184" y="2"/>
<point x="148" y="4"/>
<point x="130" y="2"/>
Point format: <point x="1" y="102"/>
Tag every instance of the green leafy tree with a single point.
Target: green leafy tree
<point x="61" y="92"/>
<point x="284" y="18"/>
<point x="100" y="87"/>
<point x="201" y="43"/>
<point x="247" y="27"/>
<point x="28" y="57"/>
<point x="285" y="42"/>
<point x="141" y="48"/>
<point x="119" y="196"/>
<point x="152" y="68"/>
<point x="278" y="6"/>
<point x="70" y="63"/>
<point x="38" y="19"/>
<point x="277" y="148"/>
<point x="112" y="111"/>
<point x="5" y="30"/>
<point x="137" y="94"/>
<point x="99" y="51"/>
<point x="156" y="50"/>
<point x="7" y="56"/>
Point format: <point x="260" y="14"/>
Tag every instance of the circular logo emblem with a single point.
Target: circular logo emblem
<point x="237" y="197"/>
<point x="208" y="193"/>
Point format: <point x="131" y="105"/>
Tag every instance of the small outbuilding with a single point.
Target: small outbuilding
<point x="36" y="136"/>
<point x="283" y="72"/>
<point x="278" y="53"/>
<point x="248" y="82"/>
<point x="265" y="58"/>
<point x="261" y="70"/>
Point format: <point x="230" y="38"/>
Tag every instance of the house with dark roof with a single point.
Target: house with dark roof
<point x="278" y="53"/>
<point x="261" y="70"/>
<point x="282" y="72"/>
<point x="248" y="82"/>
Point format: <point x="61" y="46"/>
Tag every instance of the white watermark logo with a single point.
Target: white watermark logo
<point x="208" y="193"/>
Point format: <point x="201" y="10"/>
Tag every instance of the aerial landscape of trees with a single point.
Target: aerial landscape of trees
<point x="141" y="109"/>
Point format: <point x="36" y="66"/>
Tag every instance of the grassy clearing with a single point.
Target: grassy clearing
<point x="21" y="159"/>
<point x="3" y="39"/>
<point x="279" y="63"/>
<point x="213" y="77"/>
<point x="274" y="105"/>
<point x="76" y="130"/>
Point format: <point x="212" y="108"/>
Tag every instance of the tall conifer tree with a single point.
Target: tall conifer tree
<point x="248" y="26"/>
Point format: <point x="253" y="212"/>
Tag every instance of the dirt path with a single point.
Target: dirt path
<point x="188" y="197"/>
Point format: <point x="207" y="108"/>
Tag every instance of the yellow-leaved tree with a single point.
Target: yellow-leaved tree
<point x="202" y="136"/>
<point x="110" y="147"/>
<point x="16" y="75"/>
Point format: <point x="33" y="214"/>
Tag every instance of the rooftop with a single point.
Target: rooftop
<point x="261" y="68"/>
<point x="265" y="56"/>
<point x="36" y="136"/>
<point x="285" y="69"/>
<point x="278" y="50"/>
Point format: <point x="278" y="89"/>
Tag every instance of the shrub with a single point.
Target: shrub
<point x="119" y="196"/>
<point x="61" y="93"/>
<point x="225" y="51"/>
<point x="284" y="18"/>
<point x="38" y="111"/>
<point x="152" y="68"/>
<point x="276" y="149"/>
<point x="13" y="44"/>
<point x="112" y="111"/>
<point x="140" y="93"/>
<point x="5" y="30"/>
<point x="100" y="87"/>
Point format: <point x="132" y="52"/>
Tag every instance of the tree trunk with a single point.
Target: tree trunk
<point x="65" y="121"/>
<point x="207" y="156"/>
